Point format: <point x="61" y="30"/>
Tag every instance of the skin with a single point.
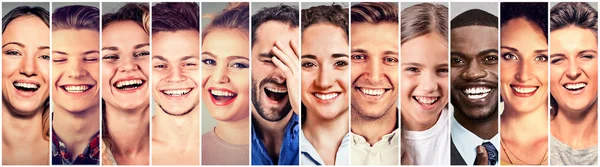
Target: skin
<point x="274" y="58"/>
<point x="325" y="69"/>
<point x="374" y="58"/>
<point x="125" y="56"/>
<point x="176" y="130"/>
<point x="424" y="76"/>
<point x="226" y="62"/>
<point x="75" y="56"/>
<point x="474" y="63"/>
<point x="574" y="59"/>
<point x="524" y="126"/>
<point x="21" y="114"/>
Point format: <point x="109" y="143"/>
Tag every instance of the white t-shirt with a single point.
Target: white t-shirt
<point x="431" y="146"/>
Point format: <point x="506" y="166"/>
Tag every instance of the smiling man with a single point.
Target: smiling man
<point x="275" y="90"/>
<point x="474" y="93"/>
<point x="175" y="80"/>
<point x="374" y="79"/>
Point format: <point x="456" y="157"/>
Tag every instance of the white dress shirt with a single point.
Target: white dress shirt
<point x="466" y="142"/>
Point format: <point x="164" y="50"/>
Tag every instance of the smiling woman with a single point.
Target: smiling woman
<point x="25" y="75"/>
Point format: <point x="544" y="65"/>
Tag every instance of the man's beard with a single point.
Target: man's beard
<point x="273" y="115"/>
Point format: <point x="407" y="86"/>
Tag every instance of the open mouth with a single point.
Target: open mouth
<point x="26" y="87"/>
<point x="176" y="92"/>
<point x="574" y="86"/>
<point x="426" y="100"/>
<point x="477" y="92"/>
<point x="76" y="88"/>
<point x="373" y="92"/>
<point x="524" y="91"/>
<point x="326" y="96"/>
<point x="276" y="94"/>
<point x="129" y="84"/>
<point x="222" y="96"/>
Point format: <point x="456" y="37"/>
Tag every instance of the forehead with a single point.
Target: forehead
<point x="26" y="29"/>
<point x="523" y="35"/>
<point x="124" y="32"/>
<point x="573" y="38"/>
<point x="75" y="41"/>
<point x="324" y="36"/>
<point x="382" y="36"/>
<point x="425" y="49"/>
<point x="226" y="42"/>
<point x="272" y="31"/>
<point x="176" y="44"/>
<point x="474" y="38"/>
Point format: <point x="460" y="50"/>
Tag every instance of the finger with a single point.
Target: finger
<point x="285" y="69"/>
<point x="295" y="47"/>
<point x="286" y="60"/>
<point x="287" y="49"/>
<point x="482" y="156"/>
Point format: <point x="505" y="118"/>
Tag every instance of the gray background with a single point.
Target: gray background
<point x="460" y="7"/>
<point x="405" y="5"/>
<point x="8" y="6"/>
<point x="306" y="5"/>
<point x="56" y="5"/>
<point x="256" y="6"/>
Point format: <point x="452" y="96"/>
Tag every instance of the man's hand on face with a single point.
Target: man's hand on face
<point x="288" y="61"/>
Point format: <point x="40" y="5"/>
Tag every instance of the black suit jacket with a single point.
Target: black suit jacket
<point x="455" y="157"/>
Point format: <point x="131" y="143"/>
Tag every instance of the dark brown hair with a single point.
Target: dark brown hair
<point x="42" y="14"/>
<point x="175" y="16"/>
<point x="579" y="14"/>
<point x="76" y="17"/>
<point x="235" y="16"/>
<point x="424" y="18"/>
<point x="282" y="13"/>
<point x="332" y="14"/>
<point x="137" y="12"/>
<point x="536" y="13"/>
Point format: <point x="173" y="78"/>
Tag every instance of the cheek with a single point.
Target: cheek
<point x="344" y="79"/>
<point x="356" y="71"/>
<point x="542" y="75"/>
<point x="242" y="82"/>
<point x="308" y="77"/>
<point x="9" y="67"/>
<point x="145" y="67"/>
<point x="443" y="84"/>
<point x="94" y="70"/>
<point x="408" y="84"/>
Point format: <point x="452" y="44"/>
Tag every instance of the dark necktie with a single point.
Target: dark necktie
<point x="492" y="153"/>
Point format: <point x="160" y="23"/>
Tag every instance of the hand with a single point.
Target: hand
<point x="288" y="61"/>
<point x="482" y="156"/>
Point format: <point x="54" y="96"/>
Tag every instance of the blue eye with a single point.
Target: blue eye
<point x="209" y="62"/>
<point x="239" y="65"/>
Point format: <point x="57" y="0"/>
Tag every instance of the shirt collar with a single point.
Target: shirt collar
<point x="466" y="142"/>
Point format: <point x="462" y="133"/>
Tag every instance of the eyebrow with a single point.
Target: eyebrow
<point x="413" y="64"/>
<point x="114" y="48"/>
<point x="228" y="58"/>
<point x="266" y="55"/>
<point x="14" y="43"/>
<point x="159" y="58"/>
<point x="309" y="56"/>
<point x="43" y="47"/>
<point x="184" y="58"/>
<point x="141" y="45"/>
<point x="487" y="51"/>
<point x="390" y="52"/>
<point x="509" y="48"/>
<point x="60" y="52"/>
<point x="90" y="52"/>
<point x="442" y="65"/>
<point x="580" y="52"/>
<point x="338" y="55"/>
<point x="359" y="50"/>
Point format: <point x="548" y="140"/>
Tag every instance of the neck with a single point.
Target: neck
<point x="21" y="132"/>
<point x="531" y="125"/>
<point x="485" y="128"/>
<point x="123" y="123"/>
<point x="321" y="131"/>
<point x="183" y="130"/>
<point x="374" y="130"/>
<point x="272" y="131"/>
<point x="75" y="129"/>
<point x="235" y="132"/>
<point x="576" y="127"/>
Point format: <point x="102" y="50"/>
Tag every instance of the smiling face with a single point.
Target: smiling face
<point x="574" y="68"/>
<point x="269" y="90"/>
<point x="474" y="65"/>
<point x="175" y="74"/>
<point x="225" y="71"/>
<point x="374" y="68"/>
<point x="424" y="78"/>
<point x="524" y="64"/>
<point x="325" y="70"/>
<point x="25" y="64"/>
<point x="75" y="69"/>
<point x="125" y="58"/>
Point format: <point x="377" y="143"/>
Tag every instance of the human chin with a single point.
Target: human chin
<point x="271" y="112"/>
<point x="25" y="96"/>
<point x="177" y="100"/>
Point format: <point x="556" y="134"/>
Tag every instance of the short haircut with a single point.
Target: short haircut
<point x="374" y="12"/>
<point x="579" y="14"/>
<point x="536" y="13"/>
<point x="424" y="18"/>
<point x="137" y="12"/>
<point x="235" y="16"/>
<point x="76" y="17"/>
<point x="281" y="13"/>
<point x="36" y="11"/>
<point x="175" y="16"/>
<point x="332" y="14"/>
<point x="474" y="17"/>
